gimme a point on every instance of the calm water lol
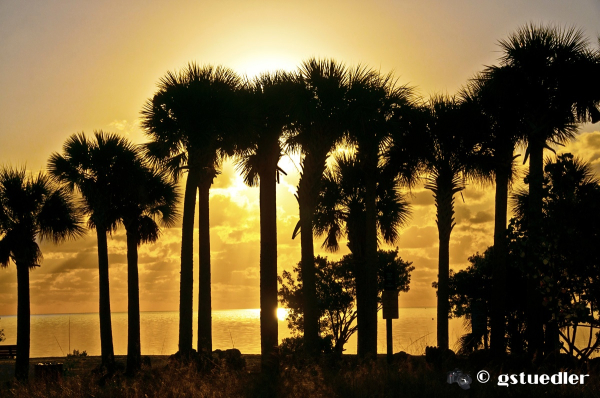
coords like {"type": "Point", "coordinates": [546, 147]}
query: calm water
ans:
{"type": "Point", "coordinates": [413, 331]}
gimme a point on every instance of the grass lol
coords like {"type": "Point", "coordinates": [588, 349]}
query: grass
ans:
{"type": "Point", "coordinates": [409, 376]}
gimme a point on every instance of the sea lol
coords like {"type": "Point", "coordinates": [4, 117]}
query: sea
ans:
{"type": "Point", "coordinates": [56, 335]}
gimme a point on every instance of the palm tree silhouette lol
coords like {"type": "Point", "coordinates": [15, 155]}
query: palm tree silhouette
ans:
{"type": "Point", "coordinates": [553, 68]}
{"type": "Point", "coordinates": [449, 157]}
{"type": "Point", "coordinates": [32, 208]}
{"type": "Point", "coordinates": [373, 100]}
{"type": "Point", "coordinates": [319, 124]}
{"type": "Point", "coordinates": [190, 120]}
{"type": "Point", "coordinates": [502, 128]}
{"type": "Point", "coordinates": [95, 169]}
{"type": "Point", "coordinates": [259, 152]}
{"type": "Point", "coordinates": [341, 211]}
{"type": "Point", "coordinates": [149, 195]}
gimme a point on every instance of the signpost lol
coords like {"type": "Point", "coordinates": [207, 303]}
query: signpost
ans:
{"type": "Point", "coordinates": [389, 301]}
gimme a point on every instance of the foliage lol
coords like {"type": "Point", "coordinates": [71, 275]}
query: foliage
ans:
{"type": "Point", "coordinates": [566, 276]}
{"type": "Point", "coordinates": [336, 293]}
{"type": "Point", "coordinates": [77, 354]}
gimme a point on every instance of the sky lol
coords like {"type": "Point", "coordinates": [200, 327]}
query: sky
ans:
{"type": "Point", "coordinates": [73, 66]}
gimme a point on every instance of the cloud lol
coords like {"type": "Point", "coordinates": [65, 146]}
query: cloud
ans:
{"type": "Point", "coordinates": [422, 197]}
{"type": "Point", "coordinates": [418, 237]}
{"type": "Point", "coordinates": [587, 147]}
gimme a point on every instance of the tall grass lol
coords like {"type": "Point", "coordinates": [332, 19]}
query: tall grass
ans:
{"type": "Point", "coordinates": [409, 376]}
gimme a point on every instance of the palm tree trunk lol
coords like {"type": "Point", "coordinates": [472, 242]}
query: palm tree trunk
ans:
{"type": "Point", "coordinates": [269, 338]}
{"type": "Point", "coordinates": [309, 287]}
{"type": "Point", "coordinates": [535, 320]}
{"type": "Point", "coordinates": [498, 304]}
{"type": "Point", "coordinates": [204, 294]}
{"type": "Point", "coordinates": [134, 352]}
{"type": "Point", "coordinates": [186, 282]}
{"type": "Point", "coordinates": [106, 341]}
{"type": "Point", "coordinates": [306, 201]}
{"type": "Point", "coordinates": [445, 219]}
{"type": "Point", "coordinates": [368, 324]}
{"type": "Point", "coordinates": [23, 323]}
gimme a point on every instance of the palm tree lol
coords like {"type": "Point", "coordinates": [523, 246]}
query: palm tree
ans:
{"type": "Point", "coordinates": [341, 210]}
{"type": "Point", "coordinates": [502, 126]}
{"type": "Point", "coordinates": [260, 150]}
{"type": "Point", "coordinates": [553, 68]}
{"type": "Point", "coordinates": [190, 120]}
{"type": "Point", "coordinates": [32, 209]}
{"type": "Point", "coordinates": [149, 194]}
{"type": "Point", "coordinates": [319, 124]}
{"type": "Point", "coordinates": [373, 100]}
{"type": "Point", "coordinates": [449, 156]}
{"type": "Point", "coordinates": [95, 168]}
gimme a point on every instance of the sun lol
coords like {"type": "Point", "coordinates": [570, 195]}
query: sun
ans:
{"type": "Point", "coordinates": [255, 64]}
{"type": "Point", "coordinates": [282, 313]}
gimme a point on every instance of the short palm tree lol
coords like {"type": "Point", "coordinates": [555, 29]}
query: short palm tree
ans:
{"type": "Point", "coordinates": [553, 69]}
{"type": "Point", "coordinates": [32, 209]}
{"type": "Point", "coordinates": [259, 152]}
{"type": "Point", "coordinates": [94, 168]}
{"type": "Point", "coordinates": [191, 120]}
{"type": "Point", "coordinates": [341, 208]}
{"type": "Point", "coordinates": [149, 195]}
{"type": "Point", "coordinates": [319, 121]}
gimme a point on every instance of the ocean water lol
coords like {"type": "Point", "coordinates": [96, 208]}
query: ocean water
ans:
{"type": "Point", "coordinates": [57, 335]}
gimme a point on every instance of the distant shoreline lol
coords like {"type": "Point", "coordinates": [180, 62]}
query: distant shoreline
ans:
{"type": "Point", "coordinates": [125, 312]}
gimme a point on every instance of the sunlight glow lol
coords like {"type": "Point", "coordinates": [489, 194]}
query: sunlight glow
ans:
{"type": "Point", "coordinates": [282, 313]}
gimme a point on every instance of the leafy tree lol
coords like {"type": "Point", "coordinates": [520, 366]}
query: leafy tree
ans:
{"type": "Point", "coordinates": [95, 168]}
{"type": "Point", "coordinates": [32, 208]}
{"type": "Point", "coordinates": [471, 297]}
{"type": "Point", "coordinates": [566, 275]}
{"type": "Point", "coordinates": [336, 293]}
{"type": "Point", "coordinates": [191, 120]}
{"type": "Point", "coordinates": [565, 278]}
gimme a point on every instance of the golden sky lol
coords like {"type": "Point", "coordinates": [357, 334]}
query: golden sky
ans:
{"type": "Point", "coordinates": [71, 66]}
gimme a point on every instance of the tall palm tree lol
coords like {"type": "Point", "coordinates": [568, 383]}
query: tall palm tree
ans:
{"type": "Point", "coordinates": [259, 152]}
{"type": "Point", "coordinates": [502, 128]}
{"type": "Point", "coordinates": [149, 195]}
{"type": "Point", "coordinates": [95, 168]}
{"type": "Point", "coordinates": [553, 68]}
{"type": "Point", "coordinates": [32, 208]}
{"type": "Point", "coordinates": [319, 124]}
{"type": "Point", "coordinates": [373, 99]}
{"type": "Point", "coordinates": [190, 120]}
{"type": "Point", "coordinates": [449, 157]}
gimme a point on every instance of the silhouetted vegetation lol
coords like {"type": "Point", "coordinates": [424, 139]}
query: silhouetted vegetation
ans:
{"type": "Point", "coordinates": [336, 294]}
{"type": "Point", "coordinates": [33, 208]}
{"type": "Point", "coordinates": [363, 142]}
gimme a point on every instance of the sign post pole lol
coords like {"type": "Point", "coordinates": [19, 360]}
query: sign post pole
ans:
{"type": "Point", "coordinates": [390, 343]}
{"type": "Point", "coordinates": [389, 299]}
